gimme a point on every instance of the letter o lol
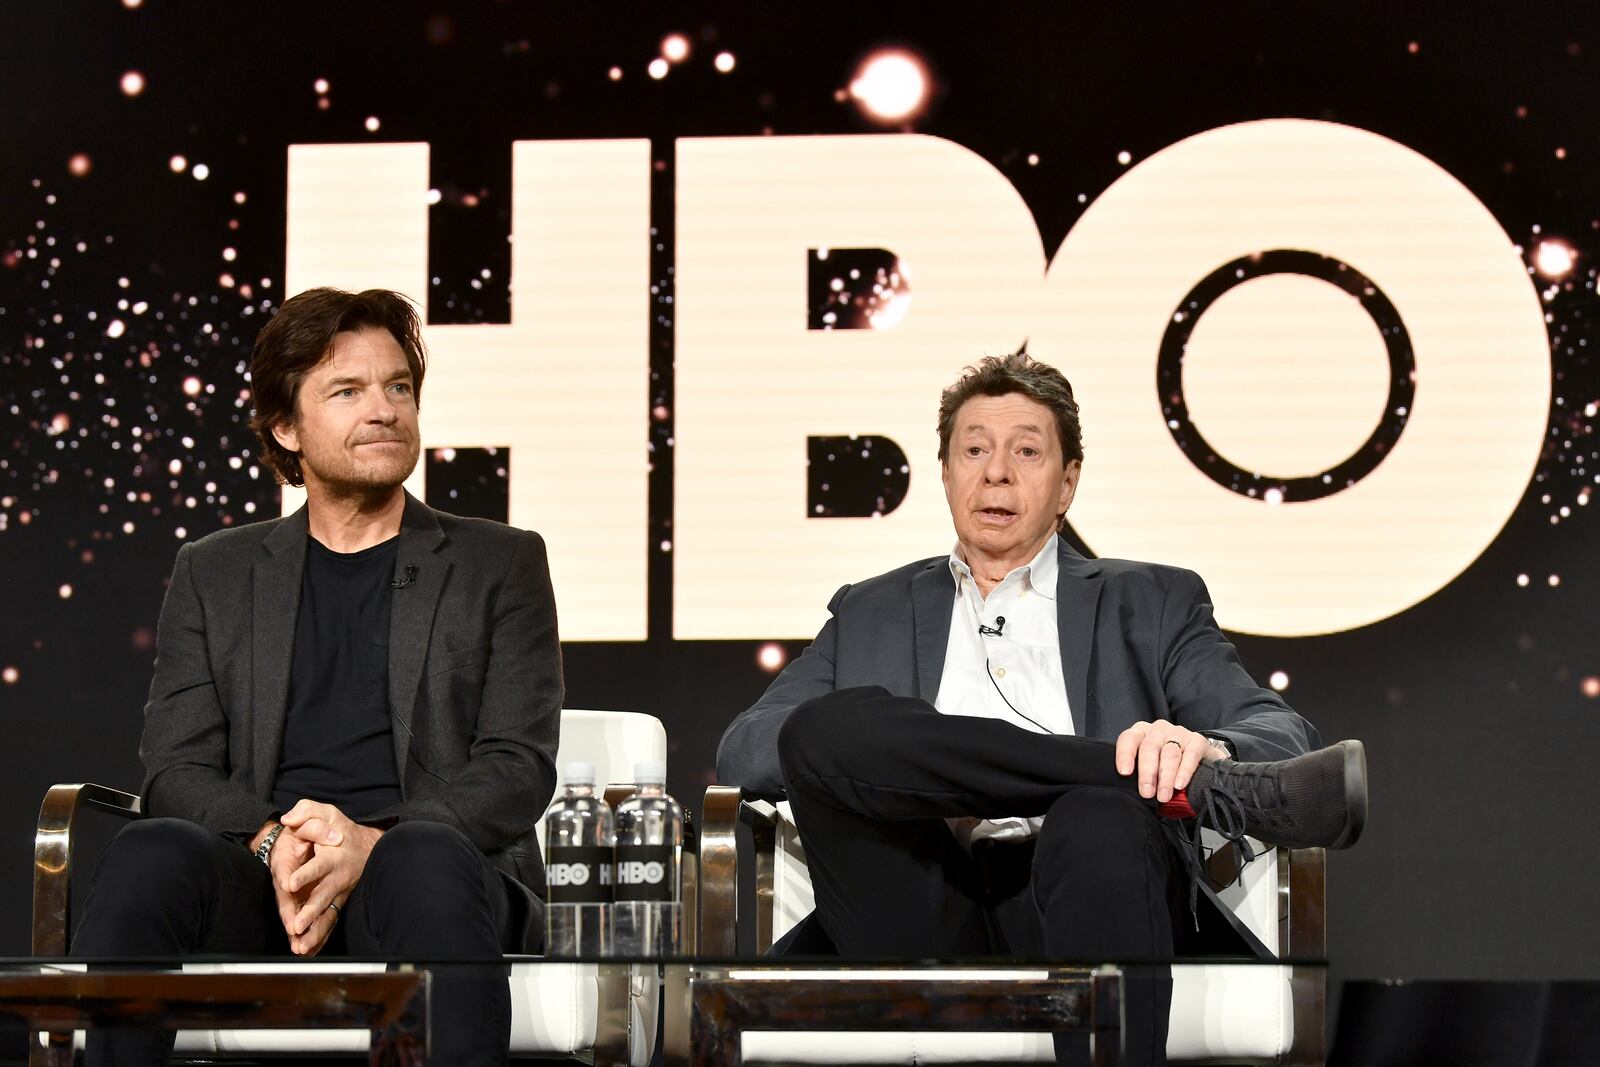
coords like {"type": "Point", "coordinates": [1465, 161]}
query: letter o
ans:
{"type": "Point", "coordinates": [1482, 391]}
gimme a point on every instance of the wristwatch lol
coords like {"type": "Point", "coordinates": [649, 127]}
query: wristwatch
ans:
{"type": "Point", "coordinates": [1224, 749]}
{"type": "Point", "coordinates": [264, 853]}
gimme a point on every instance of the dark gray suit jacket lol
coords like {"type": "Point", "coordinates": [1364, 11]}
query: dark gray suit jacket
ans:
{"type": "Point", "coordinates": [1138, 642]}
{"type": "Point", "coordinates": [475, 685]}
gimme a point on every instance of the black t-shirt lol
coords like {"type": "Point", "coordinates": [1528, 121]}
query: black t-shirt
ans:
{"type": "Point", "coordinates": [338, 744]}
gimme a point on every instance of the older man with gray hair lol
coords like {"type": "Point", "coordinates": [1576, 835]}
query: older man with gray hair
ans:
{"type": "Point", "coordinates": [1004, 750]}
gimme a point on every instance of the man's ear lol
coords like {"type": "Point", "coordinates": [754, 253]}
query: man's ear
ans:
{"type": "Point", "coordinates": [1069, 486]}
{"type": "Point", "coordinates": [285, 434]}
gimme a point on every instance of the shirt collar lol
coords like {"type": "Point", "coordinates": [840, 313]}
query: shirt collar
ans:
{"type": "Point", "coordinates": [1040, 572]}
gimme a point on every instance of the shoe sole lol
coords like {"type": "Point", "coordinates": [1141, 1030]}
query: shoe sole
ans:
{"type": "Point", "coordinates": [1355, 792]}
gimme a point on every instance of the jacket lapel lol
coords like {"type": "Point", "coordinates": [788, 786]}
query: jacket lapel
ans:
{"type": "Point", "coordinates": [275, 602]}
{"type": "Point", "coordinates": [422, 571]}
{"type": "Point", "coordinates": [1078, 584]}
{"type": "Point", "coordinates": [931, 594]}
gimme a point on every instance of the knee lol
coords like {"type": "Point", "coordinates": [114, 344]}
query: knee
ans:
{"type": "Point", "coordinates": [423, 861]}
{"type": "Point", "coordinates": [820, 730]}
{"type": "Point", "coordinates": [154, 867]}
{"type": "Point", "coordinates": [153, 859]}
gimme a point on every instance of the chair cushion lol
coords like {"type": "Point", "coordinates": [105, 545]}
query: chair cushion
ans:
{"type": "Point", "coordinates": [1240, 1012]}
{"type": "Point", "coordinates": [554, 1009]}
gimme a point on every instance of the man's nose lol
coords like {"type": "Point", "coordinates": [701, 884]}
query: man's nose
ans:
{"type": "Point", "coordinates": [998, 470]}
{"type": "Point", "coordinates": [382, 410]}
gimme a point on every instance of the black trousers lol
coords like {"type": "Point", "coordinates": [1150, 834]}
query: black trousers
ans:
{"type": "Point", "coordinates": [167, 888]}
{"type": "Point", "coordinates": [872, 777]}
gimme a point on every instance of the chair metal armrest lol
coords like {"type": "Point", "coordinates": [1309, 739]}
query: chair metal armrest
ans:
{"type": "Point", "coordinates": [52, 857]}
{"type": "Point", "coordinates": [718, 920]}
{"type": "Point", "coordinates": [1302, 934]}
{"type": "Point", "coordinates": [725, 807]}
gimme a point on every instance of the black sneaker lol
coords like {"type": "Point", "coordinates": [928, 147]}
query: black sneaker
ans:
{"type": "Point", "coordinates": [1318, 800]}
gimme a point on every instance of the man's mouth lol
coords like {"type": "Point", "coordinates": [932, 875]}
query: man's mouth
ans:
{"type": "Point", "coordinates": [997, 513]}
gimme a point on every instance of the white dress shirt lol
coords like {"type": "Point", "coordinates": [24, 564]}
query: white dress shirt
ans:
{"type": "Point", "coordinates": [1014, 675]}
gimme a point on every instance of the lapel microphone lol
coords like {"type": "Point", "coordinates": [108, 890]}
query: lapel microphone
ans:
{"type": "Point", "coordinates": [409, 577]}
{"type": "Point", "coordinates": [993, 631]}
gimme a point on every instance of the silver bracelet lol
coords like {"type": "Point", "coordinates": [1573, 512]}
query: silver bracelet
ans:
{"type": "Point", "coordinates": [264, 853]}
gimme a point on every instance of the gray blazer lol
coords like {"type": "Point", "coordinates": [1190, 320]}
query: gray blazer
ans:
{"type": "Point", "coordinates": [1138, 642]}
{"type": "Point", "coordinates": [475, 685]}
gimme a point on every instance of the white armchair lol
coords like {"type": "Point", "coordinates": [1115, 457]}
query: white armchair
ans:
{"type": "Point", "coordinates": [1220, 1013]}
{"type": "Point", "coordinates": [599, 1013]}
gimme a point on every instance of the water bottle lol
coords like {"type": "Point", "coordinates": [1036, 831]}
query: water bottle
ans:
{"type": "Point", "coordinates": [578, 869]}
{"type": "Point", "coordinates": [647, 918]}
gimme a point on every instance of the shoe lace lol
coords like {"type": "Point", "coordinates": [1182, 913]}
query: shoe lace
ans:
{"type": "Point", "coordinates": [1223, 812]}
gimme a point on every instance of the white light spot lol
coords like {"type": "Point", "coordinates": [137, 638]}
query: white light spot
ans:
{"type": "Point", "coordinates": [675, 48]}
{"type": "Point", "coordinates": [615, 74]}
{"type": "Point", "coordinates": [321, 86]}
{"type": "Point", "coordinates": [890, 314]}
{"type": "Point", "coordinates": [657, 68]}
{"type": "Point", "coordinates": [770, 657]}
{"type": "Point", "coordinates": [132, 83]}
{"type": "Point", "coordinates": [115, 329]}
{"type": "Point", "coordinates": [724, 62]}
{"type": "Point", "coordinates": [890, 86]}
{"type": "Point", "coordinates": [1554, 259]}
{"type": "Point", "coordinates": [1279, 680]}
{"type": "Point", "coordinates": [372, 124]}
{"type": "Point", "coordinates": [178, 164]}
{"type": "Point", "coordinates": [10, 675]}
{"type": "Point", "coordinates": [1554, 580]}
{"type": "Point", "coordinates": [65, 592]}
{"type": "Point", "coordinates": [175, 467]}
{"type": "Point", "coordinates": [1522, 581]}
{"type": "Point", "coordinates": [1274, 495]}
{"type": "Point", "coordinates": [1124, 158]}
{"type": "Point", "coordinates": [192, 386]}
{"type": "Point", "coordinates": [434, 196]}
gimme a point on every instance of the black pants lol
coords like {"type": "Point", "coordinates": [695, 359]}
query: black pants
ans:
{"type": "Point", "coordinates": [872, 777]}
{"type": "Point", "coordinates": [167, 888]}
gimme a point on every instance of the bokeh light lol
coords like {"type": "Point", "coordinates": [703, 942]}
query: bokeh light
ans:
{"type": "Point", "coordinates": [891, 86]}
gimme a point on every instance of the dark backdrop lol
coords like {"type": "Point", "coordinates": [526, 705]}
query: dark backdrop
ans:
{"type": "Point", "coordinates": [1482, 736]}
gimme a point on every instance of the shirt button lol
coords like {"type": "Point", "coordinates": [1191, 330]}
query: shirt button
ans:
{"type": "Point", "coordinates": [1000, 672]}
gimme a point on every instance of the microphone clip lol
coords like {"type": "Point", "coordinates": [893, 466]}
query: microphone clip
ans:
{"type": "Point", "coordinates": [407, 577]}
{"type": "Point", "coordinates": [997, 630]}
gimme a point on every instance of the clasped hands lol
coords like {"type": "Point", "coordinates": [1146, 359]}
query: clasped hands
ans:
{"type": "Point", "coordinates": [316, 862]}
{"type": "Point", "coordinates": [1165, 756]}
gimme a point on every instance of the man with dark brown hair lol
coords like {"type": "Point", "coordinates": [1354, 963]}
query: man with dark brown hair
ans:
{"type": "Point", "coordinates": [352, 727]}
{"type": "Point", "coordinates": [1003, 750]}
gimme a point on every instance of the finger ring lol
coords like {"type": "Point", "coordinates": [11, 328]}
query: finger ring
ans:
{"type": "Point", "coordinates": [1169, 741]}
{"type": "Point", "coordinates": [337, 911]}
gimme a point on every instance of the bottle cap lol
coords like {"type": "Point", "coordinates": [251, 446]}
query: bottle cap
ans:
{"type": "Point", "coordinates": [650, 772]}
{"type": "Point", "coordinates": [579, 773]}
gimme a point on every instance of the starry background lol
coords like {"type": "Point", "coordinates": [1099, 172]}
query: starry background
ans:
{"type": "Point", "coordinates": [142, 176]}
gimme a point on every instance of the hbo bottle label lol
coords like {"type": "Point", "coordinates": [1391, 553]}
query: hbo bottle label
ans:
{"type": "Point", "coordinates": [646, 872]}
{"type": "Point", "coordinates": [578, 874]}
